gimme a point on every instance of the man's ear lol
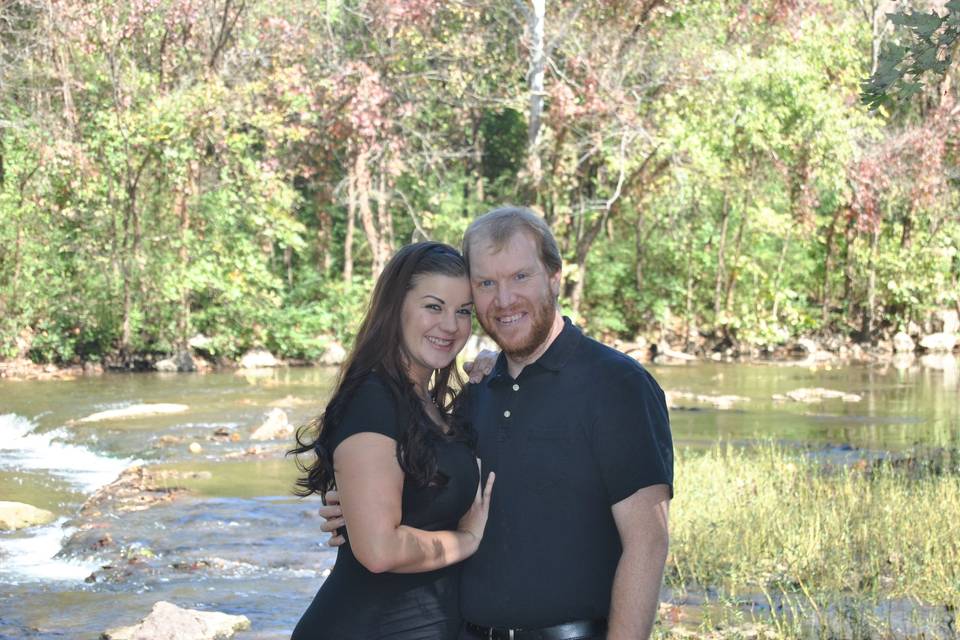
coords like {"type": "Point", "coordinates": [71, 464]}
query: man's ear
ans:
{"type": "Point", "coordinates": [555, 283]}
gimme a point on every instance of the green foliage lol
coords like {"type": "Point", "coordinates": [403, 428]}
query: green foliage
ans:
{"type": "Point", "coordinates": [931, 43]}
{"type": "Point", "coordinates": [709, 172]}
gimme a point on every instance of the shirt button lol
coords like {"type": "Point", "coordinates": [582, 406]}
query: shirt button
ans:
{"type": "Point", "coordinates": [506, 414]}
{"type": "Point", "coordinates": [516, 387]}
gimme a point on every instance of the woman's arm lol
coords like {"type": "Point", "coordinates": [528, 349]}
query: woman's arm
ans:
{"type": "Point", "coordinates": [370, 487]}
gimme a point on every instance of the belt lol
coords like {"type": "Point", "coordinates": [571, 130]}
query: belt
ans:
{"type": "Point", "coordinates": [566, 631]}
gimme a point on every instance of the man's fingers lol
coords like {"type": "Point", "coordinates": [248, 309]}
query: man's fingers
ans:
{"type": "Point", "coordinates": [468, 367]}
{"type": "Point", "coordinates": [329, 526]}
{"type": "Point", "coordinates": [330, 511]}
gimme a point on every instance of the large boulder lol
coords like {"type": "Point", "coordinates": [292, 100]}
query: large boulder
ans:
{"type": "Point", "coordinates": [275, 426]}
{"type": "Point", "coordinates": [902, 343]}
{"type": "Point", "coordinates": [333, 355]}
{"type": "Point", "coordinates": [17, 515]}
{"type": "Point", "coordinates": [949, 320]}
{"type": "Point", "coordinates": [939, 342]}
{"type": "Point", "coordinates": [182, 361]}
{"type": "Point", "coordinates": [169, 622]}
{"type": "Point", "coordinates": [258, 359]}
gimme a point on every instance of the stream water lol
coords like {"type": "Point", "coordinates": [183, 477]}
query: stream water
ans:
{"type": "Point", "coordinates": [242, 544]}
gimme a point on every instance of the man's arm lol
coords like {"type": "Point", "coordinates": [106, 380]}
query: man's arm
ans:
{"type": "Point", "coordinates": [642, 523]}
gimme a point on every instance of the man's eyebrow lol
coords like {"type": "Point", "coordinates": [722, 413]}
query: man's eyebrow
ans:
{"type": "Point", "coordinates": [430, 295]}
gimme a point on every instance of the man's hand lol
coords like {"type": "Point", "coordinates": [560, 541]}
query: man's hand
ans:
{"type": "Point", "coordinates": [479, 368]}
{"type": "Point", "coordinates": [332, 516]}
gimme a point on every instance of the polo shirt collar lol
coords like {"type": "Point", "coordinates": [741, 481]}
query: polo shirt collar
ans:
{"type": "Point", "coordinates": [552, 359]}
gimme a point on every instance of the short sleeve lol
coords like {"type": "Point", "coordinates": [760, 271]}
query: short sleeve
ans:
{"type": "Point", "coordinates": [371, 409]}
{"type": "Point", "coordinates": [632, 443]}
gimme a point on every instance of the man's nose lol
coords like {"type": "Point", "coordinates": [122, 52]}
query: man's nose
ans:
{"type": "Point", "coordinates": [504, 296]}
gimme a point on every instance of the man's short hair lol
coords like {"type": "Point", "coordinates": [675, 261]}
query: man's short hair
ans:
{"type": "Point", "coordinates": [499, 225]}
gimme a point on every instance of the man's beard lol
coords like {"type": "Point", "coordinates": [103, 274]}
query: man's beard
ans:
{"type": "Point", "coordinates": [541, 322]}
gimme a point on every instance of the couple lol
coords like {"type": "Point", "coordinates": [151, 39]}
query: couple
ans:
{"type": "Point", "coordinates": [572, 541]}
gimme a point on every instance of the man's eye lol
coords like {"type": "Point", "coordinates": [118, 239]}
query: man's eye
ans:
{"type": "Point", "coordinates": [486, 283]}
{"type": "Point", "coordinates": [521, 276]}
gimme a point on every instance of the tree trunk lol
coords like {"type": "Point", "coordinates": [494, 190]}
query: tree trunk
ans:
{"type": "Point", "coordinates": [827, 267]}
{"type": "Point", "coordinates": [641, 249]}
{"type": "Point", "coordinates": [732, 279]}
{"type": "Point", "coordinates": [351, 224]}
{"type": "Point", "coordinates": [779, 274]}
{"type": "Point", "coordinates": [183, 205]}
{"type": "Point", "coordinates": [367, 221]}
{"type": "Point", "coordinates": [688, 306]}
{"type": "Point", "coordinates": [721, 251]}
{"type": "Point", "coordinates": [869, 319]}
{"type": "Point", "coordinates": [850, 236]}
{"type": "Point", "coordinates": [536, 15]}
{"type": "Point", "coordinates": [384, 217]}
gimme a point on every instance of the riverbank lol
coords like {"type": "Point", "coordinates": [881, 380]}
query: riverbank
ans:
{"type": "Point", "coordinates": [901, 351]}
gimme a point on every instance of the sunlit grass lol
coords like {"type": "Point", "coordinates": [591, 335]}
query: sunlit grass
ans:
{"type": "Point", "coordinates": [820, 545]}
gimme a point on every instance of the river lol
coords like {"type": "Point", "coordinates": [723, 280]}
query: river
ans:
{"type": "Point", "coordinates": [240, 543]}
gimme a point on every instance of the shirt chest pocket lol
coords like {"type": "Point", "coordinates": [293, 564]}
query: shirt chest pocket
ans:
{"type": "Point", "coordinates": [549, 455]}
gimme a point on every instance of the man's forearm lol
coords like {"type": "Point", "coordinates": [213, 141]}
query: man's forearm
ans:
{"type": "Point", "coordinates": [636, 590]}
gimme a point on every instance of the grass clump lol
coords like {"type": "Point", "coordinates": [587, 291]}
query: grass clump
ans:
{"type": "Point", "coordinates": [816, 545]}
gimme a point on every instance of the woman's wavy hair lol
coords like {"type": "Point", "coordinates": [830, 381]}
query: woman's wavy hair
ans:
{"type": "Point", "coordinates": [379, 349]}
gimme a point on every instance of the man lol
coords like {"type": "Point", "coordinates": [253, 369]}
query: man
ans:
{"type": "Point", "coordinates": [579, 438]}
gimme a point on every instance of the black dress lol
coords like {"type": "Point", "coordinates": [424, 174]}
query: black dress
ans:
{"type": "Point", "coordinates": [355, 604]}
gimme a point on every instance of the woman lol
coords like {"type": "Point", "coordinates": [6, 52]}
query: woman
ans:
{"type": "Point", "coordinates": [404, 470]}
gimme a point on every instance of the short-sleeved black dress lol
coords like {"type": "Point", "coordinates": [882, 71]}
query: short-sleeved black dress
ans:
{"type": "Point", "coordinates": [355, 604]}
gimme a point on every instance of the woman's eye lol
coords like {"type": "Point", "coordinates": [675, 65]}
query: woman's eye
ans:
{"type": "Point", "coordinates": [465, 312]}
{"type": "Point", "coordinates": [433, 307]}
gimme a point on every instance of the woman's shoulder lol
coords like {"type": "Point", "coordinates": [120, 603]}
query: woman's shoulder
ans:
{"type": "Point", "coordinates": [371, 407]}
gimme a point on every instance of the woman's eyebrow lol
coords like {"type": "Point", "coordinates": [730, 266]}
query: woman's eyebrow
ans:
{"type": "Point", "coordinates": [430, 295]}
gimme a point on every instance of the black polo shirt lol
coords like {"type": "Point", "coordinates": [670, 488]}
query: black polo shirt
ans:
{"type": "Point", "coordinates": [579, 430]}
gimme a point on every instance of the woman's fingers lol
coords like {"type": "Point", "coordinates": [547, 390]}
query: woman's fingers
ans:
{"type": "Point", "coordinates": [335, 541]}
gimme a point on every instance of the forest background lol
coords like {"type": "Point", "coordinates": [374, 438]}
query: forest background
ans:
{"type": "Point", "coordinates": [242, 169]}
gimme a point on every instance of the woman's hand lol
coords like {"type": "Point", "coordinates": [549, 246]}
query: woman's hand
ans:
{"type": "Point", "coordinates": [474, 521]}
{"type": "Point", "coordinates": [480, 367]}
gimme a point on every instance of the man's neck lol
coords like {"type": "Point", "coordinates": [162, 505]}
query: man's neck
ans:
{"type": "Point", "coordinates": [514, 367]}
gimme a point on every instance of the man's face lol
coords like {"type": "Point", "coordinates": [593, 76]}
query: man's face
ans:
{"type": "Point", "coordinates": [513, 294]}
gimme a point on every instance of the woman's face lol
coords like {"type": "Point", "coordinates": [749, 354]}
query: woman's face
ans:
{"type": "Point", "coordinates": [435, 322]}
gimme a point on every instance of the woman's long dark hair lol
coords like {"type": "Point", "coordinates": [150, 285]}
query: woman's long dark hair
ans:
{"type": "Point", "coordinates": [379, 348]}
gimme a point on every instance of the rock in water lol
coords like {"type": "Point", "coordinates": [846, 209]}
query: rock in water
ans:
{"type": "Point", "coordinates": [276, 426]}
{"type": "Point", "coordinates": [136, 411]}
{"type": "Point", "coordinates": [902, 343]}
{"type": "Point", "coordinates": [939, 342]}
{"type": "Point", "coordinates": [17, 515]}
{"type": "Point", "coordinates": [258, 359]}
{"type": "Point", "coordinates": [169, 622]}
{"type": "Point", "coordinates": [333, 355]}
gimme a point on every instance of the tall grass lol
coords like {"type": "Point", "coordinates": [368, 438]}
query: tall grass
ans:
{"type": "Point", "coordinates": [820, 544]}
